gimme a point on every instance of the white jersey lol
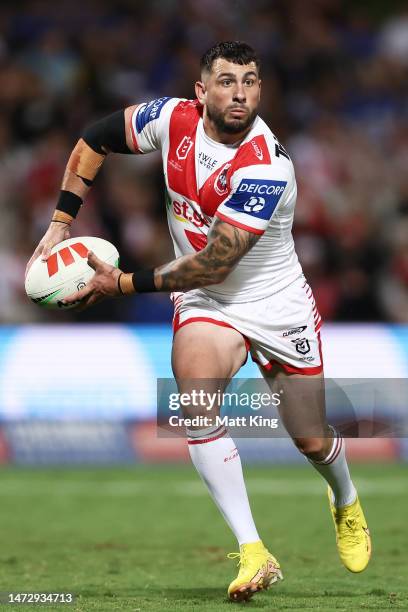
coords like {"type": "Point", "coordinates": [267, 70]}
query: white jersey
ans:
{"type": "Point", "coordinates": [250, 185]}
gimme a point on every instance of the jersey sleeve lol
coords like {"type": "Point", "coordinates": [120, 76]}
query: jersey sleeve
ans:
{"type": "Point", "coordinates": [256, 193]}
{"type": "Point", "coordinates": [149, 124]}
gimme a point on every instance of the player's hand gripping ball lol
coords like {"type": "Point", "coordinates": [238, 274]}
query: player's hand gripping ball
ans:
{"type": "Point", "coordinates": [66, 271]}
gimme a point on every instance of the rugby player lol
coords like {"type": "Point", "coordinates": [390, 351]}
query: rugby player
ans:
{"type": "Point", "coordinates": [236, 281]}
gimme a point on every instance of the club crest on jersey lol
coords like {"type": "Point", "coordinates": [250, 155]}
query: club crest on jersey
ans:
{"type": "Point", "coordinates": [184, 147]}
{"type": "Point", "coordinates": [221, 183]}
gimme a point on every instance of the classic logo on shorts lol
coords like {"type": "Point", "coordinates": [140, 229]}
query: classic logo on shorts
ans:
{"type": "Point", "coordinates": [184, 147]}
{"type": "Point", "coordinates": [221, 183]}
{"type": "Point", "coordinates": [302, 345]}
{"type": "Point", "coordinates": [257, 197]}
{"type": "Point", "coordinates": [294, 330]}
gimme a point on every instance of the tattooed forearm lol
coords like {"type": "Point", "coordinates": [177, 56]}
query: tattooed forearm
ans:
{"type": "Point", "coordinates": [226, 245]}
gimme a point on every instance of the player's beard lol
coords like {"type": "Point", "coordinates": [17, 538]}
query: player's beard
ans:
{"type": "Point", "coordinates": [234, 126]}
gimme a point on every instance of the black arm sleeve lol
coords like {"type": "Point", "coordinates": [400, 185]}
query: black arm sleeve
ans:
{"type": "Point", "coordinates": [107, 134]}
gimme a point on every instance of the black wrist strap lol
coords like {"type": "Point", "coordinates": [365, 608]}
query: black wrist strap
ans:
{"type": "Point", "coordinates": [69, 203]}
{"type": "Point", "coordinates": [143, 281]}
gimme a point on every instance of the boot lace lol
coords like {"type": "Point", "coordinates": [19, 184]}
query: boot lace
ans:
{"type": "Point", "coordinates": [350, 529]}
{"type": "Point", "coordinates": [241, 556]}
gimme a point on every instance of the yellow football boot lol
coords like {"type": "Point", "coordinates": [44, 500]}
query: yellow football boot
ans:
{"type": "Point", "coordinates": [352, 535]}
{"type": "Point", "coordinates": [258, 570]}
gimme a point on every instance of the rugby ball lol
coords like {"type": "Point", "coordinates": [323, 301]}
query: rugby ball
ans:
{"type": "Point", "coordinates": [66, 270]}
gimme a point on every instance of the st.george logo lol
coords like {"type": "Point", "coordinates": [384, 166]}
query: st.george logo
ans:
{"type": "Point", "coordinates": [184, 147]}
{"type": "Point", "coordinates": [66, 257]}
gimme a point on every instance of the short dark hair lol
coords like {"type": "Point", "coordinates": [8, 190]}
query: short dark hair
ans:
{"type": "Point", "coordinates": [235, 51]}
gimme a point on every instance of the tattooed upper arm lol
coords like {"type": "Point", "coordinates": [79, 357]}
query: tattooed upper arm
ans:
{"type": "Point", "coordinates": [226, 245]}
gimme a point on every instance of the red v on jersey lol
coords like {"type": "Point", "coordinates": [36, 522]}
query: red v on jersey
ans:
{"type": "Point", "coordinates": [181, 168]}
{"type": "Point", "coordinates": [181, 173]}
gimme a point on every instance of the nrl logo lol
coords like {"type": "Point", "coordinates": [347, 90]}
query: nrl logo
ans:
{"type": "Point", "coordinates": [221, 183]}
{"type": "Point", "coordinates": [184, 147]}
{"type": "Point", "coordinates": [302, 345]}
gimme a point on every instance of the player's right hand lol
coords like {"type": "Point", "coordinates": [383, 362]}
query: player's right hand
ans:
{"type": "Point", "coordinates": [56, 233]}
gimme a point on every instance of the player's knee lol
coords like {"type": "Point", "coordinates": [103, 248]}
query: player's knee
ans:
{"type": "Point", "coordinates": [312, 448]}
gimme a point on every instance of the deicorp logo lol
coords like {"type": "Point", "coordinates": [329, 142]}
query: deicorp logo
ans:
{"type": "Point", "coordinates": [260, 187]}
{"type": "Point", "coordinates": [257, 197]}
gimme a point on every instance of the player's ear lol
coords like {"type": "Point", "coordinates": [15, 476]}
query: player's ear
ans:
{"type": "Point", "coordinates": [260, 87]}
{"type": "Point", "coordinates": [200, 92]}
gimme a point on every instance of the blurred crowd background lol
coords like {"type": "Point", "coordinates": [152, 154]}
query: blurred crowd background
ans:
{"type": "Point", "coordinates": [335, 92]}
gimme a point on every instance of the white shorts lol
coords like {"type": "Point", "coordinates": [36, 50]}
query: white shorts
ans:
{"type": "Point", "coordinates": [280, 331]}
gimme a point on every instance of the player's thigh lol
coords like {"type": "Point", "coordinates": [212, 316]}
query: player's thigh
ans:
{"type": "Point", "coordinates": [302, 408]}
{"type": "Point", "coordinates": [205, 357]}
{"type": "Point", "coordinates": [205, 350]}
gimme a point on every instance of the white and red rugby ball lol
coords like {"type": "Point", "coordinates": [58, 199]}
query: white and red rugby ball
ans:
{"type": "Point", "coordinates": [66, 270]}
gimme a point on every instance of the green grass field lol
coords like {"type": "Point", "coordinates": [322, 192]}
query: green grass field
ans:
{"type": "Point", "coordinates": [149, 538]}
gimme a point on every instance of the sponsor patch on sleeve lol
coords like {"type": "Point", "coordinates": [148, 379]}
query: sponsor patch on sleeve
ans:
{"type": "Point", "coordinates": [257, 197]}
{"type": "Point", "coordinates": [148, 112]}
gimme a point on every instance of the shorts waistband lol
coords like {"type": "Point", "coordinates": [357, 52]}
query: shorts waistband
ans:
{"type": "Point", "coordinates": [265, 297]}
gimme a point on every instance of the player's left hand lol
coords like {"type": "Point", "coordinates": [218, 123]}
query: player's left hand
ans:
{"type": "Point", "coordinates": [103, 284]}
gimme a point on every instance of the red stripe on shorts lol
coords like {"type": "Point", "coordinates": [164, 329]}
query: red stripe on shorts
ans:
{"type": "Point", "coordinates": [177, 325]}
{"type": "Point", "coordinates": [294, 369]}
